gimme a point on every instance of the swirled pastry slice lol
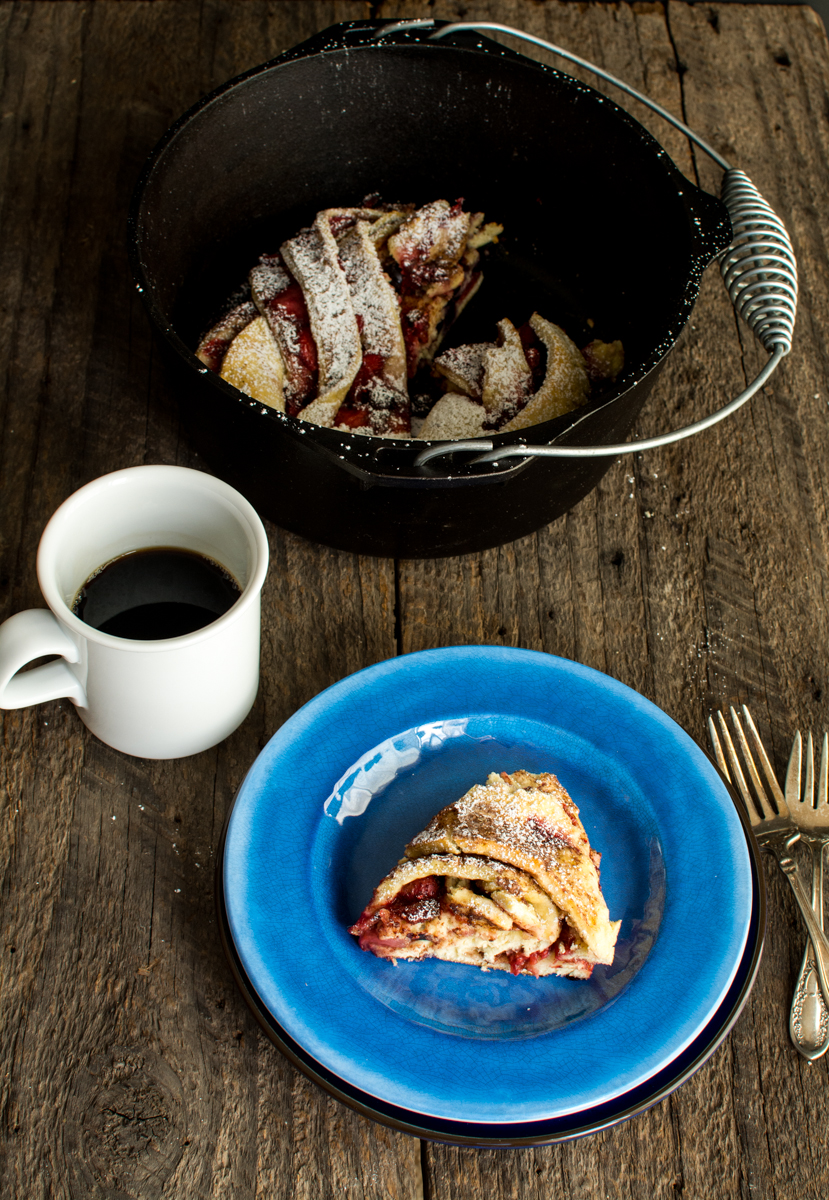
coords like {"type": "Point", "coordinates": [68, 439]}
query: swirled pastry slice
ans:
{"type": "Point", "coordinates": [504, 878]}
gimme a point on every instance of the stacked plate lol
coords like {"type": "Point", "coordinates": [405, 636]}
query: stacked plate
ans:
{"type": "Point", "coordinates": [445, 1051]}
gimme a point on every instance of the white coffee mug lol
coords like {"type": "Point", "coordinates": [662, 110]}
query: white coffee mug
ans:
{"type": "Point", "coordinates": [154, 699]}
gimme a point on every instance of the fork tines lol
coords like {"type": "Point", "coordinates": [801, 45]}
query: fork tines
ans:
{"type": "Point", "coordinates": [823, 780]}
{"type": "Point", "coordinates": [759, 802]}
{"type": "Point", "coordinates": [807, 795]}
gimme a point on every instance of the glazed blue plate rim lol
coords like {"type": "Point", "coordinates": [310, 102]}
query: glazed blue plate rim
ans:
{"type": "Point", "coordinates": [408, 1064]}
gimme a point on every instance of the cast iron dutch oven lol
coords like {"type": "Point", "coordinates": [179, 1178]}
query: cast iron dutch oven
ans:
{"type": "Point", "coordinates": [603, 235]}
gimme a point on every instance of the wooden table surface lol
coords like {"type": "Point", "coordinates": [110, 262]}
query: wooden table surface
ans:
{"type": "Point", "coordinates": [697, 574]}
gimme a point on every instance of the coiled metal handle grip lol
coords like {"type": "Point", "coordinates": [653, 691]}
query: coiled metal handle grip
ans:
{"type": "Point", "coordinates": [759, 268]}
{"type": "Point", "coordinates": [759, 271]}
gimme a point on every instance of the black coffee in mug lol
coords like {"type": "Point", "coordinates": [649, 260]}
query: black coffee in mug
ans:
{"type": "Point", "coordinates": [160, 592]}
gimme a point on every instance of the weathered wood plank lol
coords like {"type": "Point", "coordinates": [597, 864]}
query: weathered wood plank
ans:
{"type": "Point", "coordinates": [163, 1083]}
{"type": "Point", "coordinates": [774, 481]}
{"type": "Point", "coordinates": [631, 582]}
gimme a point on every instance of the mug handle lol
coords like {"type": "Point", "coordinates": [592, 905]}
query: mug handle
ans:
{"type": "Point", "coordinates": [29, 635]}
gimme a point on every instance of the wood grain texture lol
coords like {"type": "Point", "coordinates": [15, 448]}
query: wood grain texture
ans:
{"type": "Point", "coordinates": [696, 574]}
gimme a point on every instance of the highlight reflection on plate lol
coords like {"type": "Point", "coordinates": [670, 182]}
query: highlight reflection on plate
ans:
{"type": "Point", "coordinates": [390, 795]}
{"type": "Point", "coordinates": [328, 806]}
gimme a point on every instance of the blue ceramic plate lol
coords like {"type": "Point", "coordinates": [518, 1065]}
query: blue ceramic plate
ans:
{"type": "Point", "coordinates": [329, 804]}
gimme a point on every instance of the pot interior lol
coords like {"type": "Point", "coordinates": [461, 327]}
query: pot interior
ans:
{"type": "Point", "coordinates": [603, 235]}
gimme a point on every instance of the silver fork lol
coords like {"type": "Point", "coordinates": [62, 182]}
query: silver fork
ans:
{"type": "Point", "coordinates": [809, 1017]}
{"type": "Point", "coordinates": [774, 829]}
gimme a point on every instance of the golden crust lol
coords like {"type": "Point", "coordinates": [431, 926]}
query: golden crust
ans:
{"type": "Point", "coordinates": [253, 364]}
{"type": "Point", "coordinates": [565, 387]}
{"type": "Point", "coordinates": [503, 878]}
{"type": "Point", "coordinates": [529, 822]}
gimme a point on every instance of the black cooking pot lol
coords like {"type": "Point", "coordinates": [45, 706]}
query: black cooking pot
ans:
{"type": "Point", "coordinates": [603, 235]}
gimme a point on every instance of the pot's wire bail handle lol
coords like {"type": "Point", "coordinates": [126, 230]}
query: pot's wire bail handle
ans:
{"type": "Point", "coordinates": [759, 269]}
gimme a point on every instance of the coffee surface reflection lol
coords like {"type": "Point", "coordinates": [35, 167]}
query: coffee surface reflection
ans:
{"type": "Point", "coordinates": [160, 592]}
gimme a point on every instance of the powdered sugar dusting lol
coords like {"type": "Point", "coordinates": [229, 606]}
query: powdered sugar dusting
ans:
{"type": "Point", "coordinates": [375, 303]}
{"type": "Point", "coordinates": [507, 376]}
{"type": "Point", "coordinates": [269, 277]}
{"type": "Point", "coordinates": [387, 409]}
{"type": "Point", "coordinates": [428, 247]}
{"type": "Point", "coordinates": [359, 303]}
{"type": "Point", "coordinates": [464, 367]}
{"type": "Point", "coordinates": [453, 417]}
{"type": "Point", "coordinates": [312, 258]}
{"type": "Point", "coordinates": [253, 364]}
{"type": "Point", "coordinates": [528, 821]}
{"type": "Point", "coordinates": [280, 302]}
{"type": "Point", "coordinates": [503, 808]}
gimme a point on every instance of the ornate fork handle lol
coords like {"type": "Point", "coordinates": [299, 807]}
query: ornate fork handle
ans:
{"type": "Point", "coordinates": [809, 1016]}
{"type": "Point", "coordinates": [820, 943]}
